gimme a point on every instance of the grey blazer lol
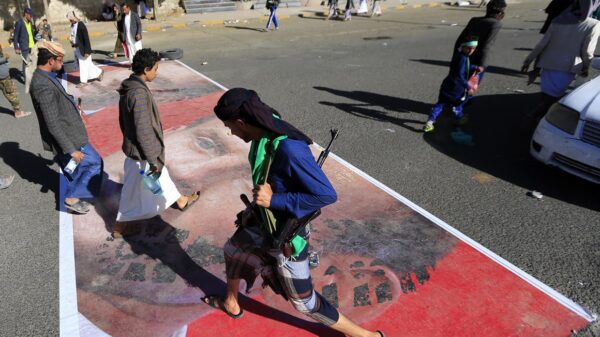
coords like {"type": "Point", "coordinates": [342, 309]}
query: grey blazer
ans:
{"type": "Point", "coordinates": [135, 26]}
{"type": "Point", "coordinates": [61, 126]}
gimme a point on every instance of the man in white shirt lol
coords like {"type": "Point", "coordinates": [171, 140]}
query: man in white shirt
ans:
{"type": "Point", "coordinates": [132, 31]}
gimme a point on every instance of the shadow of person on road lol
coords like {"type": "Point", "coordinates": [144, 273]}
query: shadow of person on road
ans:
{"type": "Point", "coordinates": [4, 110]}
{"type": "Point", "coordinates": [261, 30]}
{"type": "Point", "coordinates": [500, 149]}
{"type": "Point", "coordinates": [490, 69]}
{"type": "Point", "coordinates": [159, 240]}
{"type": "Point", "coordinates": [523, 48]}
{"type": "Point", "coordinates": [368, 108]}
{"type": "Point", "coordinates": [30, 167]}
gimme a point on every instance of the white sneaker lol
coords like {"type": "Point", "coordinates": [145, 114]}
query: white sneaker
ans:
{"type": "Point", "coordinates": [428, 126]}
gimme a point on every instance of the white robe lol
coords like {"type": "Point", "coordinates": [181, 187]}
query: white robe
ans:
{"type": "Point", "coordinates": [362, 7]}
{"type": "Point", "coordinates": [87, 69]}
{"type": "Point", "coordinates": [132, 45]}
{"type": "Point", "coordinates": [137, 202]}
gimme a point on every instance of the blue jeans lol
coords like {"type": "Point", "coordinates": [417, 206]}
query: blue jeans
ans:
{"type": "Point", "coordinates": [439, 107]}
{"type": "Point", "coordinates": [272, 17]}
{"type": "Point", "coordinates": [85, 181]}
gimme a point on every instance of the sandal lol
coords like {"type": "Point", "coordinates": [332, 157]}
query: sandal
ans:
{"type": "Point", "coordinates": [191, 199]}
{"type": "Point", "coordinates": [22, 114]}
{"type": "Point", "coordinates": [78, 207]}
{"type": "Point", "coordinates": [381, 333]}
{"type": "Point", "coordinates": [217, 303]}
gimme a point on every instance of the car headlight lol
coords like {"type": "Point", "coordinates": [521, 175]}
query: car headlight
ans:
{"type": "Point", "coordinates": [563, 117]}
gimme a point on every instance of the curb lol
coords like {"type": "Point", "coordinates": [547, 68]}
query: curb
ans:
{"type": "Point", "coordinates": [224, 22]}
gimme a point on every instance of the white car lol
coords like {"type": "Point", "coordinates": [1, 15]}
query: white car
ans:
{"type": "Point", "coordinates": [568, 137]}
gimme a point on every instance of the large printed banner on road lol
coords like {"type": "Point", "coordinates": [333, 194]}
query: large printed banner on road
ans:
{"type": "Point", "coordinates": [384, 262]}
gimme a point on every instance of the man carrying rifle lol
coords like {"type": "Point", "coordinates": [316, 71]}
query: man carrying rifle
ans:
{"type": "Point", "coordinates": [288, 185]}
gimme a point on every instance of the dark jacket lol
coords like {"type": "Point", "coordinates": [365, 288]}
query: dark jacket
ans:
{"type": "Point", "coordinates": [272, 3]}
{"type": "Point", "coordinates": [486, 29]}
{"type": "Point", "coordinates": [21, 38]}
{"type": "Point", "coordinates": [555, 7]}
{"type": "Point", "coordinates": [83, 39]}
{"type": "Point", "coordinates": [455, 85]}
{"type": "Point", "coordinates": [120, 26]}
{"type": "Point", "coordinates": [135, 26]}
{"type": "Point", "coordinates": [140, 123]}
{"type": "Point", "coordinates": [61, 126]}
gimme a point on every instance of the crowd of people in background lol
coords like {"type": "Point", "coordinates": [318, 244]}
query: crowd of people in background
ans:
{"type": "Point", "coordinates": [564, 52]}
{"type": "Point", "coordinates": [363, 9]}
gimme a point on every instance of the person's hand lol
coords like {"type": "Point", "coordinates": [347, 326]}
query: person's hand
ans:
{"type": "Point", "coordinates": [470, 92]}
{"type": "Point", "coordinates": [78, 156]}
{"type": "Point", "coordinates": [479, 69]}
{"type": "Point", "coordinates": [18, 51]}
{"type": "Point", "coordinates": [6, 56]}
{"type": "Point", "coordinates": [156, 169]}
{"type": "Point", "coordinates": [247, 216]}
{"type": "Point", "coordinates": [138, 37]}
{"type": "Point", "coordinates": [85, 56]}
{"type": "Point", "coordinates": [262, 195]}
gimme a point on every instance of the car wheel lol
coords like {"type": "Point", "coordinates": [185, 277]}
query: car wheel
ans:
{"type": "Point", "coordinates": [171, 54]}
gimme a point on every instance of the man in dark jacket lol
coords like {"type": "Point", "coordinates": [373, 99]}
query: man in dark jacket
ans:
{"type": "Point", "coordinates": [132, 31]}
{"type": "Point", "coordinates": [63, 131]}
{"type": "Point", "coordinates": [144, 146]}
{"type": "Point", "coordinates": [80, 40]}
{"type": "Point", "coordinates": [24, 38]}
{"type": "Point", "coordinates": [486, 29]}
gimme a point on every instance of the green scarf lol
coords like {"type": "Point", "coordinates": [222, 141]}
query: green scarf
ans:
{"type": "Point", "coordinates": [261, 155]}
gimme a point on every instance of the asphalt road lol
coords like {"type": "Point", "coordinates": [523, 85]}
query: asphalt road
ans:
{"type": "Point", "coordinates": [375, 79]}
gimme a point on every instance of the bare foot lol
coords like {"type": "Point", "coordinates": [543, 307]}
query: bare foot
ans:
{"type": "Point", "coordinates": [21, 114]}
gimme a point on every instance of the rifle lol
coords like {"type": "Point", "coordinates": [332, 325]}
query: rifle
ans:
{"type": "Point", "coordinates": [293, 226]}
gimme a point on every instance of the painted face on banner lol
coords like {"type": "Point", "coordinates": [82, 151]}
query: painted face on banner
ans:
{"type": "Point", "coordinates": [370, 256]}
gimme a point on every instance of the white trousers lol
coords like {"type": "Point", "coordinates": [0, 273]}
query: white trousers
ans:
{"type": "Point", "coordinates": [362, 7]}
{"type": "Point", "coordinates": [87, 69]}
{"type": "Point", "coordinates": [137, 202]}
{"type": "Point", "coordinates": [133, 46]}
{"type": "Point", "coordinates": [376, 8]}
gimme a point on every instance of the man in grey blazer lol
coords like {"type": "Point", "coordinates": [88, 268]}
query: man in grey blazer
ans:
{"type": "Point", "coordinates": [132, 31]}
{"type": "Point", "coordinates": [63, 131]}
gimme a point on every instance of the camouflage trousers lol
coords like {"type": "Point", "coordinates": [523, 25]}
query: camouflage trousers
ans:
{"type": "Point", "coordinates": [7, 86]}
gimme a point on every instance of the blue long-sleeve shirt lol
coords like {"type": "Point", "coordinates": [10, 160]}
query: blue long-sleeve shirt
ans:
{"type": "Point", "coordinates": [455, 84]}
{"type": "Point", "coordinates": [298, 183]}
